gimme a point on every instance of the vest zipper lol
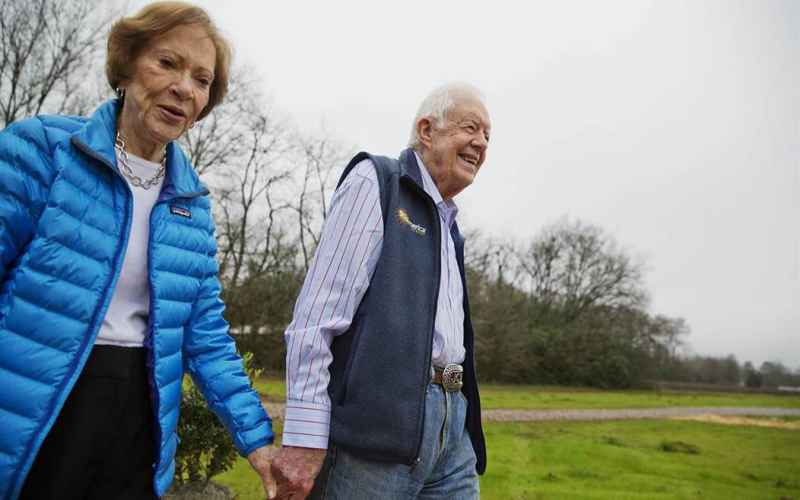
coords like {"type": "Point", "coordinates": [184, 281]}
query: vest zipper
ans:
{"type": "Point", "coordinates": [428, 353]}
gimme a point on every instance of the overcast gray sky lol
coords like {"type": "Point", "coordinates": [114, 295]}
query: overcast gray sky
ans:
{"type": "Point", "coordinates": [674, 125]}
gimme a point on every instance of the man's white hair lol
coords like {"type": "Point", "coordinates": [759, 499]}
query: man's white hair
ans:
{"type": "Point", "coordinates": [436, 105]}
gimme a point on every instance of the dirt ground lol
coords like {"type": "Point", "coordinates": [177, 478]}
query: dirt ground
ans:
{"type": "Point", "coordinates": [773, 423]}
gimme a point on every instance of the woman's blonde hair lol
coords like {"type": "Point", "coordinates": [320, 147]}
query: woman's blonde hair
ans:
{"type": "Point", "coordinates": [130, 35]}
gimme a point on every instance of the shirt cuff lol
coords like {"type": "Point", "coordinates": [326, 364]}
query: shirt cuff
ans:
{"type": "Point", "coordinates": [306, 425]}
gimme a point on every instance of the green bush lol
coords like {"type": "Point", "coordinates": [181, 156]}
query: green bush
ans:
{"type": "Point", "coordinates": [205, 448]}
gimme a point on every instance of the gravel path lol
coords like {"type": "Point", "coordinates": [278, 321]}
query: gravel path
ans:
{"type": "Point", "coordinates": [624, 414]}
{"type": "Point", "coordinates": [276, 411]}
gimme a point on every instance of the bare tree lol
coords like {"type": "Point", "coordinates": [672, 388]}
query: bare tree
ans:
{"type": "Point", "coordinates": [240, 149]}
{"type": "Point", "coordinates": [490, 258]}
{"type": "Point", "coordinates": [269, 182]}
{"type": "Point", "coordinates": [576, 266]}
{"type": "Point", "coordinates": [317, 158]}
{"type": "Point", "coordinates": [669, 333]}
{"type": "Point", "coordinates": [223, 135]}
{"type": "Point", "coordinates": [49, 50]}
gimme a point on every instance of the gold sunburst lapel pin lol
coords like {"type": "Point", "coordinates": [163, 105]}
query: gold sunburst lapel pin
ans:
{"type": "Point", "coordinates": [403, 218]}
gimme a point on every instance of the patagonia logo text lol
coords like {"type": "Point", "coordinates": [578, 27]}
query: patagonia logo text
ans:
{"type": "Point", "coordinates": [183, 212]}
{"type": "Point", "coordinates": [403, 218]}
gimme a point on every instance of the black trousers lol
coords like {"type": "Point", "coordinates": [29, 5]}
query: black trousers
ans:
{"type": "Point", "coordinates": [102, 444]}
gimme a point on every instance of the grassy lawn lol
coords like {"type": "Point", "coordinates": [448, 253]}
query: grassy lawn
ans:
{"type": "Point", "coordinates": [242, 479]}
{"type": "Point", "coordinates": [529, 397]}
{"type": "Point", "coordinates": [624, 460]}
{"type": "Point", "coordinates": [627, 460]}
{"type": "Point", "coordinates": [558, 398]}
{"type": "Point", "coordinates": [274, 389]}
{"type": "Point", "coordinates": [664, 459]}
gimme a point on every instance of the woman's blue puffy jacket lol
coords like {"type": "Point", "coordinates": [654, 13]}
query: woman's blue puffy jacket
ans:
{"type": "Point", "coordinates": [65, 215]}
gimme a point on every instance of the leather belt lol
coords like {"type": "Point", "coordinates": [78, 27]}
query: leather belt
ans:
{"type": "Point", "coordinates": [449, 377]}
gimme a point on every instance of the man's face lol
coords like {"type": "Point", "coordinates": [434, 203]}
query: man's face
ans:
{"type": "Point", "coordinates": [455, 150]}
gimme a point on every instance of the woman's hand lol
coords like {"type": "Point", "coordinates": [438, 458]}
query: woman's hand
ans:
{"type": "Point", "coordinates": [261, 461]}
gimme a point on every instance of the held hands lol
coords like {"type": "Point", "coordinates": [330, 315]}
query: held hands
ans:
{"type": "Point", "coordinates": [295, 470]}
{"type": "Point", "coordinates": [289, 472]}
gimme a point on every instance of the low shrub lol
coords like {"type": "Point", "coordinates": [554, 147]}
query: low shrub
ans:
{"type": "Point", "coordinates": [205, 448]}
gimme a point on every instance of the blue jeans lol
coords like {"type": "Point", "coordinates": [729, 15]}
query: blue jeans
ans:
{"type": "Point", "coordinates": [446, 469]}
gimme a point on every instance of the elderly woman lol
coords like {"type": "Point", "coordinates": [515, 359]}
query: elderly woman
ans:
{"type": "Point", "coordinates": [109, 281]}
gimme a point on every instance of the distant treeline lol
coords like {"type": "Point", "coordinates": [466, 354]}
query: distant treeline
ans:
{"type": "Point", "coordinates": [728, 371]}
{"type": "Point", "coordinates": [567, 308]}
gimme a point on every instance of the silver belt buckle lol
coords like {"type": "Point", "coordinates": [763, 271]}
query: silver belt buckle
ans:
{"type": "Point", "coordinates": [452, 377]}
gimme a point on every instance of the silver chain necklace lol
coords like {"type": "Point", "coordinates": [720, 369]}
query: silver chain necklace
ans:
{"type": "Point", "coordinates": [119, 145]}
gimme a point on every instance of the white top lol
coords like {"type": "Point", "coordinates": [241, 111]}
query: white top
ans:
{"type": "Point", "coordinates": [334, 286]}
{"type": "Point", "coordinates": [126, 320]}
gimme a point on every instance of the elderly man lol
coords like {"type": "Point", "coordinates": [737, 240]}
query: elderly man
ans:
{"type": "Point", "coordinates": [381, 338]}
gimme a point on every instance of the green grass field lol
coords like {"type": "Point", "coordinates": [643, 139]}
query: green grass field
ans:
{"type": "Point", "coordinates": [528, 397]}
{"type": "Point", "coordinates": [557, 398]}
{"type": "Point", "coordinates": [627, 460]}
{"type": "Point", "coordinates": [242, 479]}
{"type": "Point", "coordinates": [619, 460]}
{"type": "Point", "coordinates": [624, 460]}
{"type": "Point", "coordinates": [273, 389]}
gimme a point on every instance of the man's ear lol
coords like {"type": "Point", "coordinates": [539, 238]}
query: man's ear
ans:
{"type": "Point", "coordinates": [425, 131]}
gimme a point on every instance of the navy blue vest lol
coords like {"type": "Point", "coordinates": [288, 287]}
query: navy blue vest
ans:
{"type": "Point", "coordinates": [381, 365]}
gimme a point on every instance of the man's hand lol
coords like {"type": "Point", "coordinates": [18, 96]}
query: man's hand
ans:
{"type": "Point", "coordinates": [260, 460]}
{"type": "Point", "coordinates": [295, 469]}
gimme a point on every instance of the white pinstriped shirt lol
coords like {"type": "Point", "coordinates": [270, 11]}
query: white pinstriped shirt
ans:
{"type": "Point", "coordinates": [336, 281]}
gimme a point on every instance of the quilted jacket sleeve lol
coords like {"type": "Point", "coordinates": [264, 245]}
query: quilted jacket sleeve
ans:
{"type": "Point", "coordinates": [25, 175]}
{"type": "Point", "coordinates": [218, 371]}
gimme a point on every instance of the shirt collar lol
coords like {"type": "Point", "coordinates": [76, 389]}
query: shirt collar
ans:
{"type": "Point", "coordinates": [449, 207]}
